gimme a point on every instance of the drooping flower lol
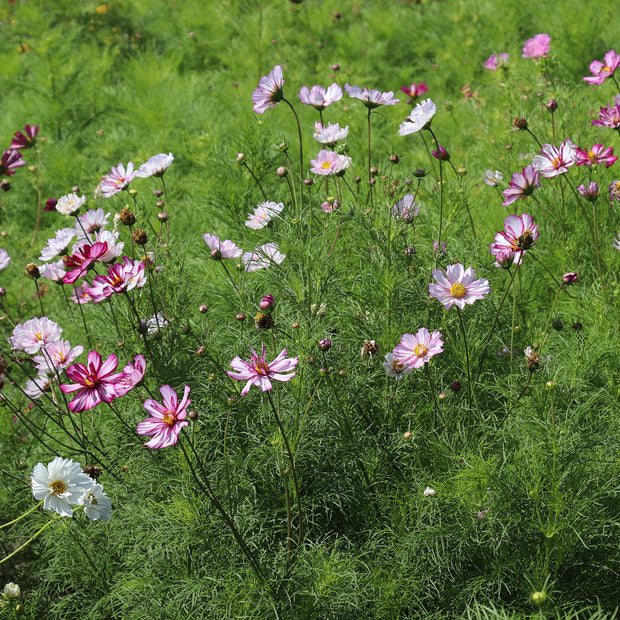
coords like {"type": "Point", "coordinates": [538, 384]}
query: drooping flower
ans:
{"type": "Point", "coordinates": [263, 256]}
{"type": "Point", "coordinates": [269, 91]}
{"type": "Point", "coordinates": [58, 245]}
{"type": "Point", "coordinates": [537, 46]}
{"type": "Point", "coordinates": [521, 184]}
{"type": "Point", "coordinates": [406, 208]}
{"type": "Point", "coordinates": [395, 368]}
{"type": "Point", "coordinates": [441, 153]}
{"type": "Point", "coordinates": [132, 375]}
{"type": "Point", "coordinates": [320, 98]}
{"type": "Point", "coordinates": [70, 204]}
{"type": "Point", "coordinates": [5, 259]}
{"type": "Point", "coordinates": [506, 257]}
{"type": "Point", "coordinates": [94, 382]}
{"type": "Point", "coordinates": [457, 286]}
{"type": "Point", "coordinates": [155, 166]}
{"type": "Point", "coordinates": [597, 155]}
{"type": "Point", "coordinates": [60, 484]}
{"type": "Point", "coordinates": [420, 118]}
{"type": "Point", "coordinates": [492, 177]}
{"type": "Point", "coordinates": [25, 140]}
{"type": "Point", "coordinates": [260, 373]}
{"type": "Point", "coordinates": [331, 134]}
{"type": "Point", "coordinates": [553, 161]}
{"type": "Point", "coordinates": [416, 350]}
{"type": "Point", "coordinates": [372, 98]}
{"type": "Point", "coordinates": [519, 234]}
{"type": "Point", "coordinates": [10, 161]}
{"type": "Point", "coordinates": [118, 180]}
{"type": "Point", "coordinates": [34, 334]}
{"type": "Point", "coordinates": [221, 249]}
{"type": "Point", "coordinates": [167, 419]}
{"type": "Point", "coordinates": [609, 116]}
{"type": "Point", "coordinates": [97, 505]}
{"type": "Point", "coordinates": [330, 162]}
{"type": "Point", "coordinates": [415, 90]}
{"type": "Point", "coordinates": [589, 192]}
{"type": "Point", "coordinates": [602, 70]}
{"type": "Point", "coordinates": [263, 214]}
{"type": "Point", "coordinates": [496, 60]}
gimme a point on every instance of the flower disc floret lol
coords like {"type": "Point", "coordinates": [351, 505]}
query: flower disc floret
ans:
{"type": "Point", "coordinates": [457, 286]}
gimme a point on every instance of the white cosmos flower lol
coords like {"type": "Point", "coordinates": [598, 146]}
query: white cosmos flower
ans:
{"type": "Point", "coordinates": [419, 118]}
{"type": "Point", "coordinates": [69, 204]}
{"type": "Point", "coordinates": [155, 166]}
{"type": "Point", "coordinates": [60, 484]}
{"type": "Point", "coordinates": [97, 504]}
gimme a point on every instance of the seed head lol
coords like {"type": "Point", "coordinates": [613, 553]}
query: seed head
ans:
{"type": "Point", "coordinates": [127, 217]}
{"type": "Point", "coordinates": [139, 236]}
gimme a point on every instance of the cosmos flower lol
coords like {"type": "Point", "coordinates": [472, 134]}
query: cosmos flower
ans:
{"type": "Point", "coordinates": [262, 257]}
{"type": "Point", "coordinates": [263, 214]}
{"type": "Point", "coordinates": [269, 91]}
{"type": "Point", "coordinates": [616, 242]}
{"type": "Point", "coordinates": [25, 140]}
{"type": "Point", "coordinates": [406, 208]}
{"type": "Point", "coordinates": [602, 70]}
{"type": "Point", "coordinates": [56, 355]}
{"type": "Point", "coordinates": [537, 46]}
{"type": "Point", "coordinates": [521, 184]}
{"type": "Point", "coordinates": [260, 373]}
{"type": "Point", "coordinates": [395, 368]}
{"type": "Point", "coordinates": [97, 504]}
{"type": "Point", "coordinates": [331, 134]}
{"type": "Point", "coordinates": [69, 204]}
{"type": "Point", "coordinates": [118, 180]}
{"type": "Point", "coordinates": [34, 334]}
{"type": "Point", "coordinates": [609, 116]}
{"type": "Point", "coordinates": [496, 60]}
{"type": "Point", "coordinates": [553, 161]}
{"type": "Point", "coordinates": [92, 221]}
{"type": "Point", "coordinates": [222, 249]}
{"type": "Point", "coordinates": [416, 350]}
{"type": "Point", "coordinates": [457, 286]}
{"type": "Point", "coordinates": [10, 161]}
{"type": "Point", "coordinates": [121, 277]}
{"type": "Point", "coordinates": [519, 234]}
{"type": "Point", "coordinates": [415, 90]}
{"type": "Point", "coordinates": [492, 177]}
{"type": "Point", "coordinates": [53, 271]}
{"type": "Point", "coordinates": [330, 162]}
{"type": "Point", "coordinates": [589, 192]}
{"type": "Point", "coordinates": [420, 118]}
{"type": "Point", "coordinates": [5, 259]}
{"type": "Point", "coordinates": [167, 419]}
{"type": "Point", "coordinates": [320, 98]}
{"type": "Point", "coordinates": [372, 98]}
{"type": "Point", "coordinates": [58, 245]}
{"type": "Point", "coordinates": [155, 166]}
{"type": "Point", "coordinates": [79, 262]}
{"type": "Point", "coordinates": [132, 375]}
{"type": "Point", "coordinates": [597, 155]}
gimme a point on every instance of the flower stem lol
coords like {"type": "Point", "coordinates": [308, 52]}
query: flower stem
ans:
{"type": "Point", "coordinates": [22, 516]}
{"type": "Point", "coordinates": [8, 557]}
{"type": "Point", "coordinates": [469, 385]}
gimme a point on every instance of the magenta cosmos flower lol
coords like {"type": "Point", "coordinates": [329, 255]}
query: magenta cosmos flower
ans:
{"type": "Point", "coordinates": [330, 162]}
{"type": "Point", "coordinates": [554, 161]}
{"type": "Point", "coordinates": [457, 286]}
{"type": "Point", "coordinates": [416, 350]}
{"type": "Point", "coordinates": [9, 161]}
{"type": "Point", "coordinates": [166, 420]}
{"type": "Point", "coordinates": [221, 249]}
{"type": "Point", "coordinates": [537, 46]}
{"type": "Point", "coordinates": [372, 98]}
{"type": "Point", "coordinates": [518, 235]}
{"type": "Point", "coordinates": [597, 155]}
{"type": "Point", "coordinates": [415, 90]}
{"type": "Point", "coordinates": [496, 60]}
{"type": "Point", "coordinates": [260, 373]}
{"type": "Point", "coordinates": [25, 140]}
{"type": "Point", "coordinates": [132, 375]}
{"type": "Point", "coordinates": [602, 70]}
{"type": "Point", "coordinates": [521, 184]}
{"type": "Point", "coordinates": [94, 383]}
{"type": "Point", "coordinates": [269, 91]}
{"type": "Point", "coordinates": [320, 98]}
{"type": "Point", "coordinates": [609, 116]}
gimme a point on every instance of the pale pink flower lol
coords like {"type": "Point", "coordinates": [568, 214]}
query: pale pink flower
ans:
{"type": "Point", "coordinates": [57, 245]}
{"type": "Point", "coordinates": [155, 166]}
{"type": "Point", "coordinates": [93, 221]}
{"type": "Point", "coordinates": [616, 242]}
{"type": "Point", "coordinates": [81, 295]}
{"type": "Point", "coordinates": [372, 98]}
{"type": "Point", "coordinates": [56, 356]}
{"type": "Point", "coordinates": [518, 235]}
{"type": "Point", "coordinates": [35, 388]}
{"type": "Point", "coordinates": [262, 257]}
{"type": "Point", "coordinates": [5, 259]}
{"type": "Point", "coordinates": [521, 184]}
{"type": "Point", "coordinates": [416, 350]}
{"type": "Point", "coordinates": [263, 214]}
{"type": "Point", "coordinates": [330, 162]}
{"type": "Point", "coordinates": [553, 161]}
{"type": "Point", "coordinates": [496, 60]}
{"type": "Point", "coordinates": [420, 118]}
{"type": "Point", "coordinates": [132, 375]}
{"type": "Point", "coordinates": [492, 177]}
{"type": "Point", "coordinates": [597, 155]}
{"type": "Point", "coordinates": [114, 246]}
{"type": "Point", "coordinates": [415, 90]}
{"type": "Point", "coordinates": [320, 98]}
{"type": "Point", "coordinates": [506, 257]}
{"type": "Point", "coordinates": [260, 373]}
{"type": "Point", "coordinates": [167, 419]}
{"type": "Point", "coordinates": [331, 134]}
{"type": "Point", "coordinates": [53, 271]}
{"type": "Point", "coordinates": [406, 208]}
{"type": "Point", "coordinates": [609, 116]}
{"type": "Point", "coordinates": [602, 70]}
{"type": "Point", "coordinates": [457, 286]}
{"type": "Point", "coordinates": [222, 249]}
{"type": "Point", "coordinates": [34, 334]}
{"type": "Point", "coordinates": [589, 192]}
{"type": "Point", "coordinates": [269, 91]}
{"type": "Point", "coordinates": [117, 180]}
{"type": "Point", "coordinates": [537, 46]}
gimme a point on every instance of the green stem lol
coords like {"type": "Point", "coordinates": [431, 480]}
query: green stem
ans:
{"type": "Point", "coordinates": [24, 515]}
{"type": "Point", "coordinates": [8, 557]}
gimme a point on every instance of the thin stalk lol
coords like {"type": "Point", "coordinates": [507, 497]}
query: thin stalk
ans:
{"type": "Point", "coordinates": [440, 192]}
{"type": "Point", "coordinates": [301, 146]}
{"type": "Point", "coordinates": [469, 385]}
{"type": "Point", "coordinates": [262, 191]}
{"type": "Point", "coordinates": [432, 386]}
{"type": "Point", "coordinates": [8, 557]}
{"type": "Point", "coordinates": [36, 288]}
{"type": "Point", "coordinates": [38, 188]}
{"type": "Point", "coordinates": [546, 332]}
{"type": "Point", "coordinates": [22, 516]}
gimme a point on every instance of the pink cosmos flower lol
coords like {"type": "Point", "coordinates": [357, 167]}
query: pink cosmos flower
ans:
{"type": "Point", "coordinates": [94, 382]}
{"type": "Point", "coordinates": [81, 260]}
{"type": "Point", "coordinates": [114, 246]}
{"type": "Point", "coordinates": [415, 90]}
{"type": "Point", "coordinates": [553, 161]}
{"type": "Point", "coordinates": [602, 70]}
{"type": "Point", "coordinates": [260, 373]}
{"type": "Point", "coordinates": [221, 249]}
{"type": "Point", "coordinates": [166, 420]}
{"type": "Point", "coordinates": [597, 155]}
{"type": "Point", "coordinates": [155, 166]}
{"type": "Point", "coordinates": [117, 180]}
{"type": "Point", "coordinates": [420, 118]}
{"type": "Point", "coordinates": [506, 257]}
{"type": "Point", "coordinates": [519, 235]}
{"type": "Point", "coordinates": [56, 355]}
{"type": "Point", "coordinates": [609, 116]}
{"type": "Point", "coordinates": [496, 60]}
{"type": "Point", "coordinates": [269, 91]}
{"type": "Point", "coordinates": [614, 191]}
{"type": "Point", "coordinates": [25, 140]}
{"type": "Point", "coordinates": [34, 334]}
{"type": "Point", "coordinates": [537, 46]}
{"type": "Point", "coordinates": [492, 177]}
{"type": "Point", "coordinates": [331, 134]}
{"type": "Point", "coordinates": [457, 286]}
{"type": "Point", "coordinates": [81, 295]}
{"type": "Point", "coordinates": [406, 208]}
{"type": "Point", "coordinates": [263, 214]}
{"type": "Point", "coordinates": [5, 259]}
{"type": "Point", "coordinates": [416, 350]}
{"type": "Point", "coordinates": [521, 184]}
{"type": "Point", "coordinates": [121, 277]}
{"type": "Point", "coordinates": [441, 153]}
{"type": "Point", "coordinates": [10, 160]}
{"type": "Point", "coordinates": [262, 257]}
{"type": "Point", "coordinates": [320, 98]}
{"type": "Point", "coordinates": [616, 242]}
{"type": "Point", "coordinates": [53, 271]}
{"type": "Point", "coordinates": [93, 221]}
{"type": "Point", "coordinates": [589, 192]}
{"type": "Point", "coordinates": [35, 388]}
{"type": "Point", "coordinates": [57, 245]}
{"type": "Point", "coordinates": [132, 375]}
{"type": "Point", "coordinates": [330, 162]}
{"type": "Point", "coordinates": [372, 98]}
{"type": "Point", "coordinates": [395, 368]}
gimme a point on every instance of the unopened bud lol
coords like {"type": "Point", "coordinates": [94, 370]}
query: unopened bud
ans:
{"type": "Point", "coordinates": [203, 308]}
{"type": "Point", "coordinates": [519, 123]}
{"type": "Point", "coordinates": [394, 159]}
{"type": "Point", "coordinates": [325, 344]}
{"type": "Point", "coordinates": [267, 302]}
{"type": "Point", "coordinates": [192, 415]}
{"type": "Point", "coordinates": [282, 171]}
{"type": "Point", "coordinates": [163, 216]}
{"type": "Point", "coordinates": [200, 350]}
{"type": "Point", "coordinates": [240, 158]}
{"type": "Point", "coordinates": [240, 317]}
{"type": "Point", "coordinates": [308, 182]}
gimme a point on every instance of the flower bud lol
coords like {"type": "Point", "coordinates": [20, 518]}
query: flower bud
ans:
{"type": "Point", "coordinates": [325, 344]}
{"type": "Point", "coordinates": [577, 326]}
{"type": "Point", "coordinates": [295, 325]}
{"type": "Point", "coordinates": [552, 106]}
{"type": "Point", "coordinates": [240, 158]}
{"type": "Point", "coordinates": [203, 308]}
{"type": "Point", "coordinates": [407, 435]}
{"type": "Point", "coordinates": [11, 590]}
{"type": "Point", "coordinates": [394, 159]}
{"type": "Point", "coordinates": [267, 302]}
{"type": "Point", "coordinates": [201, 349]}
{"type": "Point", "coordinates": [32, 271]}
{"type": "Point", "coordinates": [192, 415]}
{"type": "Point", "coordinates": [240, 317]}
{"type": "Point", "coordinates": [455, 386]}
{"type": "Point", "coordinates": [5, 186]}
{"type": "Point", "coordinates": [557, 324]}
{"type": "Point", "coordinates": [158, 192]}
{"type": "Point", "coordinates": [419, 173]}
{"type": "Point", "coordinates": [519, 123]}
{"type": "Point", "coordinates": [570, 277]}
{"type": "Point", "coordinates": [282, 171]}
{"type": "Point", "coordinates": [538, 598]}
{"type": "Point", "coordinates": [308, 182]}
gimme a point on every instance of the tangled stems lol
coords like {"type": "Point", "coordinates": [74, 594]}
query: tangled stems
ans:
{"type": "Point", "coordinates": [262, 191]}
{"type": "Point", "coordinates": [469, 385]}
{"type": "Point", "coordinates": [301, 147]}
{"type": "Point", "coordinates": [440, 192]}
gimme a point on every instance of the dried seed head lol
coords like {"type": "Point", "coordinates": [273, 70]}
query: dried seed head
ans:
{"type": "Point", "coordinates": [92, 471]}
{"type": "Point", "coordinates": [139, 237]}
{"type": "Point", "coordinates": [127, 217]}
{"type": "Point", "coordinates": [263, 321]}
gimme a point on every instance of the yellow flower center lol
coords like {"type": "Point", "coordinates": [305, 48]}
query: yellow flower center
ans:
{"type": "Point", "coordinates": [458, 290]}
{"type": "Point", "coordinates": [92, 500]}
{"type": "Point", "coordinates": [591, 156]}
{"type": "Point", "coordinates": [89, 382]}
{"type": "Point", "coordinates": [262, 368]}
{"type": "Point", "coordinates": [420, 350]}
{"type": "Point", "coordinates": [606, 69]}
{"type": "Point", "coordinates": [556, 162]}
{"type": "Point", "coordinates": [169, 418]}
{"type": "Point", "coordinates": [38, 336]}
{"type": "Point", "coordinates": [397, 366]}
{"type": "Point", "coordinates": [326, 165]}
{"type": "Point", "coordinates": [58, 487]}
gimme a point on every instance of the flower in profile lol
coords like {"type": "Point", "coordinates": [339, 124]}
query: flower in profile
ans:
{"type": "Point", "coordinates": [59, 485]}
{"type": "Point", "coordinates": [519, 234]}
{"type": "Point", "coordinates": [457, 286]}
{"type": "Point", "coordinates": [330, 162]}
{"type": "Point", "coordinates": [269, 91]}
{"type": "Point", "coordinates": [94, 382]}
{"type": "Point", "coordinates": [331, 134]}
{"type": "Point", "coordinates": [589, 192]}
{"type": "Point", "coordinates": [492, 177]}
{"type": "Point", "coordinates": [167, 419]}
{"type": "Point", "coordinates": [616, 242]}
{"type": "Point", "coordinates": [496, 60]}
{"type": "Point", "coordinates": [439, 249]}
{"type": "Point", "coordinates": [521, 184]}
{"type": "Point", "coordinates": [570, 278]}
{"type": "Point", "coordinates": [420, 118]}
{"type": "Point", "coordinates": [597, 155]}
{"type": "Point", "coordinates": [263, 214]}
{"type": "Point", "coordinates": [155, 166]}
{"type": "Point", "coordinates": [608, 117]}
{"type": "Point", "coordinates": [506, 257]}
{"type": "Point", "coordinates": [395, 368]}
{"type": "Point", "coordinates": [415, 90]}
{"type": "Point", "coordinates": [97, 504]}
{"type": "Point", "coordinates": [406, 208]}
{"type": "Point", "coordinates": [260, 373]}
{"type": "Point", "coordinates": [35, 388]}
{"type": "Point", "coordinates": [441, 153]}
{"type": "Point", "coordinates": [614, 191]}
{"type": "Point", "coordinates": [537, 46]}
{"type": "Point", "coordinates": [602, 70]}
{"type": "Point", "coordinates": [553, 161]}
{"type": "Point", "coordinates": [221, 249]}
{"type": "Point", "coordinates": [10, 161]}
{"type": "Point", "coordinates": [5, 259]}
{"type": "Point", "coordinates": [320, 98]}
{"type": "Point", "coordinates": [53, 271]}
{"type": "Point", "coordinates": [263, 256]}
{"type": "Point", "coordinates": [34, 334]}
{"type": "Point", "coordinates": [25, 140]}
{"type": "Point", "coordinates": [118, 180]}
{"type": "Point", "coordinates": [58, 245]}
{"type": "Point", "coordinates": [69, 204]}
{"type": "Point", "coordinates": [532, 359]}
{"type": "Point", "coordinates": [132, 375]}
{"type": "Point", "coordinates": [372, 98]}
{"type": "Point", "coordinates": [11, 590]}
{"type": "Point", "coordinates": [416, 350]}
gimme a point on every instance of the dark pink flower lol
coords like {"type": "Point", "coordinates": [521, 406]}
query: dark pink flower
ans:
{"type": "Point", "coordinates": [132, 375]}
{"type": "Point", "coordinates": [166, 420]}
{"type": "Point", "coordinates": [11, 160]}
{"type": "Point", "coordinates": [597, 154]}
{"type": "Point", "coordinates": [537, 46]}
{"type": "Point", "coordinates": [518, 235]}
{"type": "Point", "coordinates": [521, 184]}
{"type": "Point", "coordinates": [269, 91]}
{"type": "Point", "coordinates": [121, 277]}
{"type": "Point", "coordinates": [441, 153]}
{"type": "Point", "coordinates": [21, 141]}
{"type": "Point", "coordinates": [415, 90]}
{"type": "Point", "coordinates": [608, 117]}
{"type": "Point", "coordinates": [81, 260]}
{"type": "Point", "coordinates": [94, 383]}
{"type": "Point", "coordinates": [602, 70]}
